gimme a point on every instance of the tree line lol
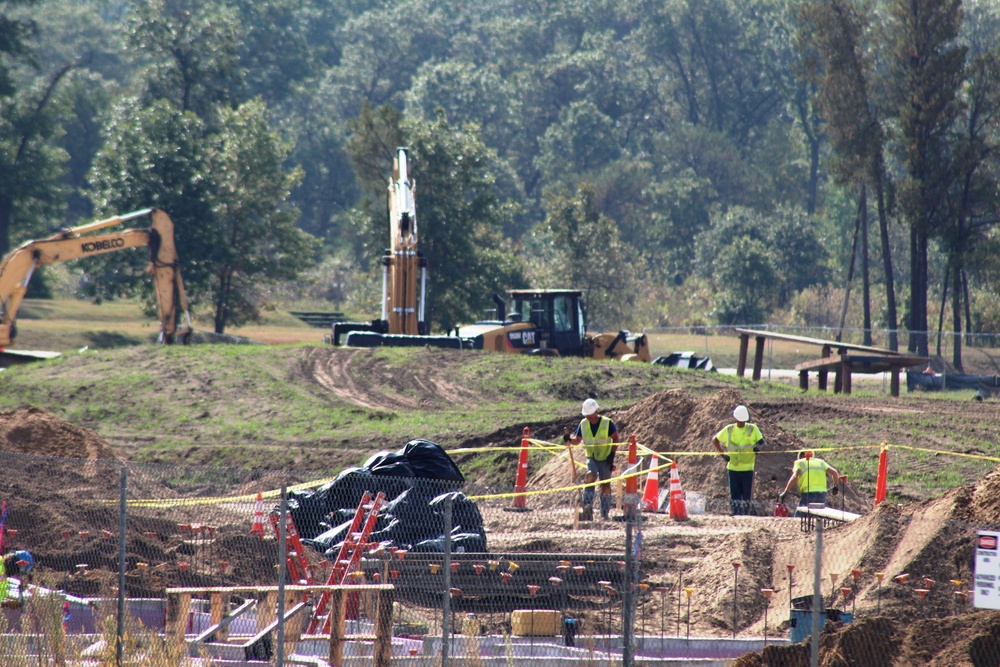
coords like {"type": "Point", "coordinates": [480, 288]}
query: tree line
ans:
{"type": "Point", "coordinates": [732, 151]}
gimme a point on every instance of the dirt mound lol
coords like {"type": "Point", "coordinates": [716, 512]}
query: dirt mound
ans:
{"type": "Point", "coordinates": [674, 421]}
{"type": "Point", "coordinates": [34, 431]}
{"type": "Point", "coordinates": [985, 502]}
{"type": "Point", "coordinates": [969, 640]}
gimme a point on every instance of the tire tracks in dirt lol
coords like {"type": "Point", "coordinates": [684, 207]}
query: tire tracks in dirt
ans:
{"type": "Point", "coordinates": [356, 376]}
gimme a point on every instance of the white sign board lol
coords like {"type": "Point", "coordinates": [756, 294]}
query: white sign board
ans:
{"type": "Point", "coordinates": [987, 583]}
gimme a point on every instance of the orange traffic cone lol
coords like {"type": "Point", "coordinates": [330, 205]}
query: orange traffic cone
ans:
{"type": "Point", "coordinates": [258, 518]}
{"type": "Point", "coordinates": [678, 507]}
{"type": "Point", "coordinates": [651, 494]}
{"type": "Point", "coordinates": [521, 482]}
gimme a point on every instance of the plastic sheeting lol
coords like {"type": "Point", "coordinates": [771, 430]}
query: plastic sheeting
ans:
{"type": "Point", "coordinates": [415, 479]}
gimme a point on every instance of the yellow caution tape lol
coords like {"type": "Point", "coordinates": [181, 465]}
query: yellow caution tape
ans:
{"type": "Point", "coordinates": [558, 449]}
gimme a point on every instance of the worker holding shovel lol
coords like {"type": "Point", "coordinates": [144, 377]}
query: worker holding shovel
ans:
{"type": "Point", "coordinates": [599, 436]}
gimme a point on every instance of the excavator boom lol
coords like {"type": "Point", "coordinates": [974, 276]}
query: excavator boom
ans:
{"type": "Point", "coordinates": [19, 265]}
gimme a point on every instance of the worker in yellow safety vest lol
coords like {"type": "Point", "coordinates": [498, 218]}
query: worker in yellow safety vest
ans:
{"type": "Point", "coordinates": [599, 436]}
{"type": "Point", "coordinates": [742, 441]}
{"type": "Point", "coordinates": [17, 562]}
{"type": "Point", "coordinates": [809, 473]}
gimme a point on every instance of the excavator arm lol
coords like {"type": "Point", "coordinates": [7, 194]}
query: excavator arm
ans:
{"type": "Point", "coordinates": [20, 264]}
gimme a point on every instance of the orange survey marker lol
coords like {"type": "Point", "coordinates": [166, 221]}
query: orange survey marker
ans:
{"type": "Point", "coordinates": [883, 473]}
{"type": "Point", "coordinates": [257, 528]}
{"type": "Point", "coordinates": [651, 494]}
{"type": "Point", "coordinates": [678, 507]}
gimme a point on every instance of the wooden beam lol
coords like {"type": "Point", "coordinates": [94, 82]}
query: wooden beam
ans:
{"type": "Point", "coordinates": [894, 383]}
{"type": "Point", "coordinates": [383, 629]}
{"type": "Point", "coordinates": [815, 341]}
{"type": "Point", "coordinates": [848, 366]}
{"type": "Point", "coordinates": [821, 375]}
{"type": "Point", "coordinates": [804, 380]}
{"type": "Point", "coordinates": [178, 606]}
{"type": "Point", "coordinates": [758, 357]}
{"type": "Point", "coordinates": [741, 361]}
{"type": "Point", "coordinates": [267, 609]}
{"type": "Point", "coordinates": [338, 608]}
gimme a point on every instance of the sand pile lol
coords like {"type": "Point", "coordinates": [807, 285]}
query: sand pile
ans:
{"type": "Point", "coordinates": [34, 431]}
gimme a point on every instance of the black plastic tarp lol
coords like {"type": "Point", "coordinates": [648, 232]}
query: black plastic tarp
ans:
{"type": "Point", "coordinates": [415, 480]}
{"type": "Point", "coordinates": [418, 458]}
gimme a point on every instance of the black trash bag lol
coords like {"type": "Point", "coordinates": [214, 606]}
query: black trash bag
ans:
{"type": "Point", "coordinates": [329, 540]}
{"type": "Point", "coordinates": [460, 543]}
{"type": "Point", "coordinates": [464, 512]}
{"type": "Point", "coordinates": [340, 498]}
{"type": "Point", "coordinates": [418, 458]}
{"type": "Point", "coordinates": [400, 534]}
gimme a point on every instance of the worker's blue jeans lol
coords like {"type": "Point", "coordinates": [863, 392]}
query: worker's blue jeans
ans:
{"type": "Point", "coordinates": [741, 491]}
{"type": "Point", "coordinates": [603, 471]}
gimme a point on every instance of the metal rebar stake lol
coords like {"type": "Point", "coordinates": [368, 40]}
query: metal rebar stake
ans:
{"type": "Point", "coordinates": [120, 641]}
{"type": "Point", "coordinates": [817, 603]}
{"type": "Point", "coordinates": [628, 594]}
{"type": "Point", "coordinates": [446, 602]}
{"type": "Point", "coordinates": [282, 556]}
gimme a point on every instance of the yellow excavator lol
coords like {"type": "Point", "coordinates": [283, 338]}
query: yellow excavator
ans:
{"type": "Point", "coordinates": [541, 322]}
{"type": "Point", "coordinates": [18, 266]}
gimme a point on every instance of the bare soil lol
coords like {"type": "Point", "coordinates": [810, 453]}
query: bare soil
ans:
{"type": "Point", "coordinates": [53, 504]}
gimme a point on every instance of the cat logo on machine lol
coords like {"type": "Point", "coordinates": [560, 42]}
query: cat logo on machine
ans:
{"type": "Point", "coordinates": [526, 338]}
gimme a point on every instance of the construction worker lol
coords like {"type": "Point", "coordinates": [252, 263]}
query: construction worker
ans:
{"type": "Point", "coordinates": [599, 436]}
{"type": "Point", "coordinates": [742, 441]}
{"type": "Point", "coordinates": [810, 472]}
{"type": "Point", "coordinates": [17, 562]}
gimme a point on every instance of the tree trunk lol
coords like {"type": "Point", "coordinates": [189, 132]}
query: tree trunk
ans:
{"type": "Point", "coordinates": [968, 306]}
{"type": "Point", "coordinates": [221, 299]}
{"type": "Point", "coordinates": [6, 209]}
{"type": "Point", "coordinates": [918, 291]}
{"type": "Point", "coordinates": [956, 314]}
{"type": "Point", "coordinates": [850, 275]}
{"type": "Point", "coordinates": [890, 290]}
{"type": "Point", "coordinates": [866, 296]}
{"type": "Point", "coordinates": [944, 299]}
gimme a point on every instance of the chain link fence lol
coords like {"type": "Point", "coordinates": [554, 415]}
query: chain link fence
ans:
{"type": "Point", "coordinates": [377, 569]}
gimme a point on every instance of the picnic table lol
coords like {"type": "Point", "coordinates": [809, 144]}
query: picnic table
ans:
{"type": "Point", "coordinates": [843, 359]}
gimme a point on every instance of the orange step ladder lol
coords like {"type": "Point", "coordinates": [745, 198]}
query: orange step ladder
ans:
{"type": "Point", "coordinates": [354, 545]}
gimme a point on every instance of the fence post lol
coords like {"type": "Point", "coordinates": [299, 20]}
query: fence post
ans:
{"type": "Point", "coordinates": [817, 603]}
{"type": "Point", "coordinates": [120, 640]}
{"type": "Point", "coordinates": [282, 554]}
{"type": "Point", "coordinates": [446, 602]}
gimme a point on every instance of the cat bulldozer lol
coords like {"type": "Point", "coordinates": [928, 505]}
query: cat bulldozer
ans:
{"type": "Point", "coordinates": [550, 322]}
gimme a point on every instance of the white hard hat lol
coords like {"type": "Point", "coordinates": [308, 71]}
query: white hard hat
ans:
{"type": "Point", "coordinates": [589, 407]}
{"type": "Point", "coordinates": [741, 414]}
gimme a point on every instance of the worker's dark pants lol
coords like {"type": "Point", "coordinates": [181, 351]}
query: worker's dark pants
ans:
{"type": "Point", "coordinates": [741, 491]}
{"type": "Point", "coordinates": [812, 497]}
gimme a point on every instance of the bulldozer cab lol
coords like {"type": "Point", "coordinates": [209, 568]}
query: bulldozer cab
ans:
{"type": "Point", "coordinates": [558, 316]}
